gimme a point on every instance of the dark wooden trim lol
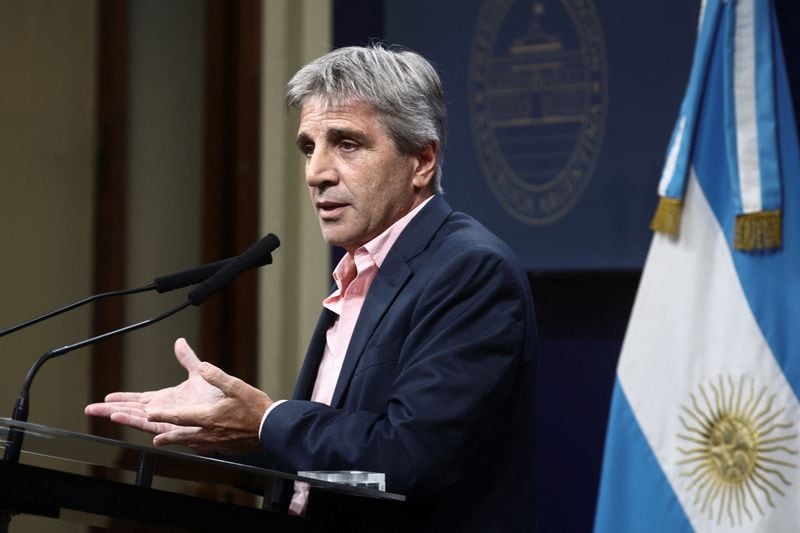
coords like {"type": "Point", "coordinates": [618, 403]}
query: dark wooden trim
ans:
{"type": "Point", "coordinates": [247, 174]}
{"type": "Point", "coordinates": [216, 161]}
{"type": "Point", "coordinates": [231, 177]}
{"type": "Point", "coordinates": [110, 206]}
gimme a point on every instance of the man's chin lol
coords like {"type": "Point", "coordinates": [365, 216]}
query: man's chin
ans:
{"type": "Point", "coordinates": [335, 238]}
{"type": "Point", "coordinates": [340, 233]}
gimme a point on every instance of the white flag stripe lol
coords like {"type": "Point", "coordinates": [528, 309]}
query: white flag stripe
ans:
{"type": "Point", "coordinates": [744, 98]}
{"type": "Point", "coordinates": [708, 331]}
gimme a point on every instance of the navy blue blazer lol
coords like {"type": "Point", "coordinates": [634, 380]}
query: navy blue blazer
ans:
{"type": "Point", "coordinates": [437, 386]}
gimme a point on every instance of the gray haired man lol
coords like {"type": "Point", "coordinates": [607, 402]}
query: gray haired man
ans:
{"type": "Point", "coordinates": [422, 362]}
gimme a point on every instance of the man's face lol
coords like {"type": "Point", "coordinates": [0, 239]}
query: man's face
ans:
{"type": "Point", "coordinates": [358, 181]}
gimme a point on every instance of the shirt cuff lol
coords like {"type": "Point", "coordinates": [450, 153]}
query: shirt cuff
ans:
{"type": "Point", "coordinates": [266, 414]}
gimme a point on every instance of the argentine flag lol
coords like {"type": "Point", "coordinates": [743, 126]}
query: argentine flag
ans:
{"type": "Point", "coordinates": [704, 421]}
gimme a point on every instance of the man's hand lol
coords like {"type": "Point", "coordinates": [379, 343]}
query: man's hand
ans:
{"type": "Point", "coordinates": [210, 411]}
{"type": "Point", "coordinates": [228, 424]}
{"type": "Point", "coordinates": [129, 408]}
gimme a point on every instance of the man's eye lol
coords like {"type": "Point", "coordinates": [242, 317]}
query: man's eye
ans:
{"type": "Point", "coordinates": [307, 149]}
{"type": "Point", "coordinates": [348, 146]}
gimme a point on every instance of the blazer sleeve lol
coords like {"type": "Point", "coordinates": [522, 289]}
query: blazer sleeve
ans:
{"type": "Point", "coordinates": [463, 336]}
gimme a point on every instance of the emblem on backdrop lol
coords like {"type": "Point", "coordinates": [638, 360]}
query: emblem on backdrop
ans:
{"type": "Point", "coordinates": [538, 99]}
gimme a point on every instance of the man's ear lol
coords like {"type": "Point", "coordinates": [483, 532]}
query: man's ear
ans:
{"type": "Point", "coordinates": [425, 169]}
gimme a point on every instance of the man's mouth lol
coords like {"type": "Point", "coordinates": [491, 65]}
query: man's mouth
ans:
{"type": "Point", "coordinates": [329, 209]}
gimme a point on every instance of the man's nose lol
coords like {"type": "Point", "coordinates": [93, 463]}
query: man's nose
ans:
{"type": "Point", "coordinates": [320, 169]}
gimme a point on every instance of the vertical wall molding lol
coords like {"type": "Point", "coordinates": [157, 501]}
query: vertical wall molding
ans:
{"type": "Point", "coordinates": [231, 177]}
{"type": "Point", "coordinates": [110, 229]}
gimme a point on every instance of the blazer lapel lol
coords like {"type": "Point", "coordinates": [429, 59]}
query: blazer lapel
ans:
{"type": "Point", "coordinates": [308, 373]}
{"type": "Point", "coordinates": [392, 276]}
{"type": "Point", "coordinates": [381, 294]}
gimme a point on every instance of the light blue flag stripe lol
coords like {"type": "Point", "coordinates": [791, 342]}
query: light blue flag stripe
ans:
{"type": "Point", "coordinates": [634, 493]}
{"type": "Point", "coordinates": [676, 168]}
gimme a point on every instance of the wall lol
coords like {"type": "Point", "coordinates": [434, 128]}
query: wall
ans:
{"type": "Point", "coordinates": [165, 121]}
{"type": "Point", "coordinates": [47, 178]}
{"type": "Point", "coordinates": [47, 172]}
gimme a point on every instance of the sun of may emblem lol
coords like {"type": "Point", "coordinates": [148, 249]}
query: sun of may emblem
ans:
{"type": "Point", "coordinates": [737, 450]}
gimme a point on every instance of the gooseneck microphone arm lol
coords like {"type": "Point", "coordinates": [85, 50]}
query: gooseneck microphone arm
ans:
{"type": "Point", "coordinates": [258, 254]}
{"type": "Point", "coordinates": [14, 445]}
{"type": "Point", "coordinates": [161, 284]}
{"type": "Point", "coordinates": [73, 305]}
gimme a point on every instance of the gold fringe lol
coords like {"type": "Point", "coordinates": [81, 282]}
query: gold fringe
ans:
{"type": "Point", "coordinates": [668, 216]}
{"type": "Point", "coordinates": [758, 231]}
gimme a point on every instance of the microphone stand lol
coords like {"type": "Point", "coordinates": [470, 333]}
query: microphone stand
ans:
{"type": "Point", "coordinates": [21, 406]}
{"type": "Point", "coordinates": [218, 275]}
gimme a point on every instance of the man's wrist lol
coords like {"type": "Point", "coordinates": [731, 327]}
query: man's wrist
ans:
{"type": "Point", "coordinates": [270, 408]}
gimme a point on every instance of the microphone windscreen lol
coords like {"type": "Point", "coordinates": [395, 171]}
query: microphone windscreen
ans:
{"type": "Point", "coordinates": [258, 254]}
{"type": "Point", "coordinates": [192, 276]}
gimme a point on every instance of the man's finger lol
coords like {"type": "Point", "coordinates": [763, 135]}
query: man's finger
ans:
{"type": "Point", "coordinates": [127, 396]}
{"type": "Point", "coordinates": [133, 410]}
{"type": "Point", "coordinates": [107, 409]}
{"type": "Point", "coordinates": [217, 377]}
{"type": "Point", "coordinates": [138, 422]}
{"type": "Point", "coordinates": [185, 436]}
{"type": "Point", "coordinates": [97, 409]}
{"type": "Point", "coordinates": [185, 355]}
{"type": "Point", "coordinates": [179, 417]}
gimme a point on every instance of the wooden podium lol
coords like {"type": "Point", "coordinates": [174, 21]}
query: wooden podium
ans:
{"type": "Point", "coordinates": [118, 485]}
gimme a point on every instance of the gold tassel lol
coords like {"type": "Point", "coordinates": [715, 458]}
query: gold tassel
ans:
{"type": "Point", "coordinates": [668, 216]}
{"type": "Point", "coordinates": [758, 231]}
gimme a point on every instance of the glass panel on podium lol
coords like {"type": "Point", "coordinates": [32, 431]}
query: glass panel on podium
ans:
{"type": "Point", "coordinates": [96, 480]}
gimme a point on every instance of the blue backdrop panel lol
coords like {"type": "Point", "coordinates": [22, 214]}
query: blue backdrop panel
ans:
{"type": "Point", "coordinates": [560, 113]}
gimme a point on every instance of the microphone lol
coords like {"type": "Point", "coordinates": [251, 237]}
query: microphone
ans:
{"type": "Point", "coordinates": [253, 256]}
{"type": "Point", "coordinates": [258, 254]}
{"type": "Point", "coordinates": [161, 284]}
{"type": "Point", "coordinates": [184, 278]}
{"type": "Point", "coordinates": [196, 275]}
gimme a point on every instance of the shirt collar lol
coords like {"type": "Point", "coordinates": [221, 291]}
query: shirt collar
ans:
{"type": "Point", "coordinates": [376, 250]}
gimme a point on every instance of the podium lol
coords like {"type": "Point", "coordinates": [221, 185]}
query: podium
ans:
{"type": "Point", "coordinates": [109, 483]}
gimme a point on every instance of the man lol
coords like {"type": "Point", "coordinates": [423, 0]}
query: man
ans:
{"type": "Point", "coordinates": [422, 363]}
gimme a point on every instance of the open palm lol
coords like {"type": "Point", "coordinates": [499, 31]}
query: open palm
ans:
{"type": "Point", "coordinates": [131, 408]}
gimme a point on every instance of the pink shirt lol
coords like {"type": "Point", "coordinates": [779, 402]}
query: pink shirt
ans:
{"type": "Point", "coordinates": [353, 276]}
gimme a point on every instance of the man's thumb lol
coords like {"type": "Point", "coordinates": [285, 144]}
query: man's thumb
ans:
{"type": "Point", "coordinates": [215, 376]}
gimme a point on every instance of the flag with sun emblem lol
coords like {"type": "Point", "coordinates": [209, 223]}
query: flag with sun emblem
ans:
{"type": "Point", "coordinates": [704, 421]}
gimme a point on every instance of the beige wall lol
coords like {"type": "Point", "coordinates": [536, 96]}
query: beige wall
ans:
{"type": "Point", "coordinates": [46, 175]}
{"type": "Point", "coordinates": [46, 178]}
{"type": "Point", "coordinates": [291, 290]}
{"type": "Point", "coordinates": [165, 139]}
{"type": "Point", "coordinates": [47, 56]}
{"type": "Point", "coordinates": [46, 144]}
